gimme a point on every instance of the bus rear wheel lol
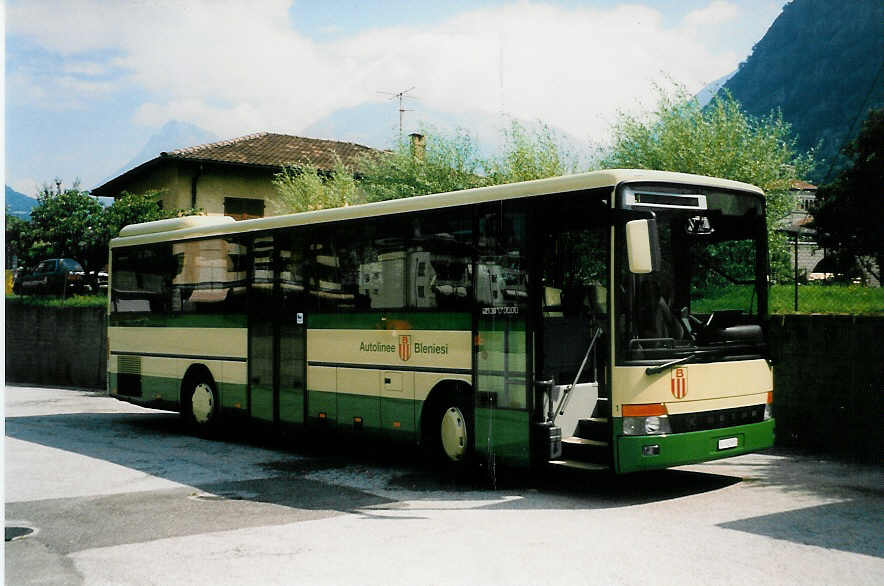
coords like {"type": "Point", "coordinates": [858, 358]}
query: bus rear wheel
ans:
{"type": "Point", "coordinates": [200, 407]}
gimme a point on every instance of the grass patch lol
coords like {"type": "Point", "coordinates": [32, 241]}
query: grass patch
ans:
{"type": "Point", "coordinates": [835, 299]}
{"type": "Point", "coordinates": [56, 301]}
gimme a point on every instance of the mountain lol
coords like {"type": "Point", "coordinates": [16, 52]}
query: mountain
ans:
{"type": "Point", "coordinates": [705, 95]}
{"type": "Point", "coordinates": [820, 63]}
{"type": "Point", "coordinates": [19, 204]}
{"type": "Point", "coordinates": [173, 135]}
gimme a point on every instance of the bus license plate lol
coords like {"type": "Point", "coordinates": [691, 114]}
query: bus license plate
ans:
{"type": "Point", "coordinates": [727, 443]}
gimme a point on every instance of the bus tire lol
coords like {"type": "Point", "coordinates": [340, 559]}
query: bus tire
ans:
{"type": "Point", "coordinates": [448, 431]}
{"type": "Point", "coordinates": [200, 407]}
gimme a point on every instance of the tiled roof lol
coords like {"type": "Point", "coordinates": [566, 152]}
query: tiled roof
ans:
{"type": "Point", "coordinates": [802, 185]}
{"type": "Point", "coordinates": [275, 150]}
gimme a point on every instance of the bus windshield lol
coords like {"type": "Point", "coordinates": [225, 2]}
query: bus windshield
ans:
{"type": "Point", "coordinates": [703, 301]}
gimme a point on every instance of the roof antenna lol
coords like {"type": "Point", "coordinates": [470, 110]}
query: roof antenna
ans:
{"type": "Point", "coordinates": [401, 96]}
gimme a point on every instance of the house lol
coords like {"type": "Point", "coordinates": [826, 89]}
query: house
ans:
{"type": "Point", "coordinates": [802, 236]}
{"type": "Point", "coordinates": [231, 177]}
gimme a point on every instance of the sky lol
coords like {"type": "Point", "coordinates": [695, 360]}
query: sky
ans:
{"type": "Point", "coordinates": [88, 82]}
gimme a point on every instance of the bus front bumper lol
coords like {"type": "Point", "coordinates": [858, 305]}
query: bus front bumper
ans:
{"type": "Point", "coordinates": [649, 452]}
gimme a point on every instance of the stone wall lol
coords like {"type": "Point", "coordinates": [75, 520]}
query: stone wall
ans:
{"type": "Point", "coordinates": [56, 346]}
{"type": "Point", "coordinates": [829, 383]}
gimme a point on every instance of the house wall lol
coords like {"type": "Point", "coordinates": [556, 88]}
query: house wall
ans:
{"type": "Point", "coordinates": [175, 179]}
{"type": "Point", "coordinates": [175, 189]}
{"type": "Point", "coordinates": [215, 184]}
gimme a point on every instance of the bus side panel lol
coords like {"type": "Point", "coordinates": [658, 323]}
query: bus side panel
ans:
{"type": "Point", "coordinates": [377, 379]}
{"type": "Point", "coordinates": [233, 387]}
{"type": "Point", "coordinates": [502, 436]}
{"type": "Point", "coordinates": [147, 364]}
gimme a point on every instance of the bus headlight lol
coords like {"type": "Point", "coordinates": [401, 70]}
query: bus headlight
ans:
{"type": "Point", "coordinates": [654, 425]}
{"type": "Point", "coordinates": [768, 407]}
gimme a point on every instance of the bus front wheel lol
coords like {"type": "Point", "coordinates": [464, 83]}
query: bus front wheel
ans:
{"type": "Point", "coordinates": [448, 432]}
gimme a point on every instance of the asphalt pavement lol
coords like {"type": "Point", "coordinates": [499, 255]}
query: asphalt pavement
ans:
{"type": "Point", "coordinates": [103, 492]}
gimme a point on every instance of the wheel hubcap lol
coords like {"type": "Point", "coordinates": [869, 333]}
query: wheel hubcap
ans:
{"type": "Point", "coordinates": [454, 433]}
{"type": "Point", "coordinates": [202, 403]}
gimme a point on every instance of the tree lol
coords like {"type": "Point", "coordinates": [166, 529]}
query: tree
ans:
{"type": "Point", "coordinates": [850, 212]}
{"type": "Point", "coordinates": [305, 188]}
{"type": "Point", "coordinates": [448, 163]}
{"type": "Point", "coordinates": [719, 140]}
{"type": "Point", "coordinates": [530, 154]}
{"type": "Point", "coordinates": [71, 223]}
{"type": "Point", "coordinates": [67, 223]}
{"type": "Point", "coordinates": [131, 208]}
{"type": "Point", "coordinates": [17, 243]}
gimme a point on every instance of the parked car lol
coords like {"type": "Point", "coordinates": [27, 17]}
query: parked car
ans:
{"type": "Point", "coordinates": [54, 276]}
{"type": "Point", "coordinates": [96, 281]}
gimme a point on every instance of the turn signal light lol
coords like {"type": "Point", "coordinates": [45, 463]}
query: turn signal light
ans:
{"type": "Point", "coordinates": [644, 410]}
{"type": "Point", "coordinates": [770, 397]}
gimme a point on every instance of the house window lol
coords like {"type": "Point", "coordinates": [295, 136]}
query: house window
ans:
{"type": "Point", "coordinates": [241, 208]}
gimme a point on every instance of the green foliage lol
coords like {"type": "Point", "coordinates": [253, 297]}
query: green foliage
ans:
{"type": "Point", "coordinates": [17, 242]}
{"type": "Point", "coordinates": [98, 300]}
{"type": "Point", "coordinates": [71, 223]}
{"type": "Point", "coordinates": [850, 211]}
{"type": "Point", "coordinates": [449, 163]}
{"type": "Point", "coordinates": [67, 223]}
{"type": "Point", "coordinates": [453, 162]}
{"type": "Point", "coordinates": [530, 155]}
{"type": "Point", "coordinates": [720, 140]}
{"type": "Point", "coordinates": [132, 208]}
{"type": "Point", "coordinates": [305, 188]}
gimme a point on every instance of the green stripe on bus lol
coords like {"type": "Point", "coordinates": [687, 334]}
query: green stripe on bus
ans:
{"type": "Point", "coordinates": [389, 321]}
{"type": "Point", "coordinates": [688, 448]}
{"type": "Point", "coordinates": [160, 388]}
{"type": "Point", "coordinates": [186, 320]}
{"type": "Point", "coordinates": [390, 416]}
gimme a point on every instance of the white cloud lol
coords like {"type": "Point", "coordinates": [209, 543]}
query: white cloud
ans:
{"type": "Point", "coordinates": [235, 67]}
{"type": "Point", "coordinates": [716, 13]}
{"type": "Point", "coordinates": [26, 185]}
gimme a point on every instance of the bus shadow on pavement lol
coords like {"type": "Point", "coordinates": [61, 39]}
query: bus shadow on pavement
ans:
{"type": "Point", "coordinates": [245, 467]}
{"type": "Point", "coordinates": [852, 526]}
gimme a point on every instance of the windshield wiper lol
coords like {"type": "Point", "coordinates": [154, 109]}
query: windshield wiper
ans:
{"type": "Point", "coordinates": [684, 359]}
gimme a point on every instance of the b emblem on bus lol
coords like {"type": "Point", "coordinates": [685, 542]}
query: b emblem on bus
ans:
{"type": "Point", "coordinates": [679, 382]}
{"type": "Point", "coordinates": [404, 347]}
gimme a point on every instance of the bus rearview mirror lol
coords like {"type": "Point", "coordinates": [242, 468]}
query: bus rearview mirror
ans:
{"type": "Point", "coordinates": [642, 246]}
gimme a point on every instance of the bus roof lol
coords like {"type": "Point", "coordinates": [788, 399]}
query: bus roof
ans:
{"type": "Point", "coordinates": [207, 226]}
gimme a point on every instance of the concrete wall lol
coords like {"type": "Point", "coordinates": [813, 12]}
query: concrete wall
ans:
{"type": "Point", "coordinates": [56, 346]}
{"type": "Point", "coordinates": [829, 384]}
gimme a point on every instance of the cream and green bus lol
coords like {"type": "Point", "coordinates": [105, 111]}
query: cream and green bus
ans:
{"type": "Point", "coordinates": [608, 320]}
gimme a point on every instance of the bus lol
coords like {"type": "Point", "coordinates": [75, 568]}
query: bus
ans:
{"type": "Point", "coordinates": [607, 320]}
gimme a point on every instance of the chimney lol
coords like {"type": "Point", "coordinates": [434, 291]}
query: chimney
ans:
{"type": "Point", "coordinates": [418, 145]}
